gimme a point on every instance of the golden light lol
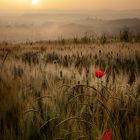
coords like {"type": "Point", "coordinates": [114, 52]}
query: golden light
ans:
{"type": "Point", "coordinates": [35, 2]}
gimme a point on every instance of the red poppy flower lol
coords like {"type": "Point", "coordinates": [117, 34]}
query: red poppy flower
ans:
{"type": "Point", "coordinates": [99, 74]}
{"type": "Point", "coordinates": [107, 135]}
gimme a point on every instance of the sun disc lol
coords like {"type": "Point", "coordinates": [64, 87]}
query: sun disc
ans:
{"type": "Point", "coordinates": [35, 2]}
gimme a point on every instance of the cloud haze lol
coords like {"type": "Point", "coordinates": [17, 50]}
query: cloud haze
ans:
{"type": "Point", "coordinates": [70, 4]}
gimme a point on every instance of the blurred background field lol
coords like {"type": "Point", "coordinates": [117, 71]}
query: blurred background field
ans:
{"type": "Point", "coordinates": [34, 25]}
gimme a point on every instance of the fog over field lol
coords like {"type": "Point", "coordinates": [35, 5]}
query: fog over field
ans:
{"type": "Point", "coordinates": [53, 24]}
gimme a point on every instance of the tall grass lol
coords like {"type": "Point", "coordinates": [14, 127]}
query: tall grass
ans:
{"type": "Point", "coordinates": [49, 91]}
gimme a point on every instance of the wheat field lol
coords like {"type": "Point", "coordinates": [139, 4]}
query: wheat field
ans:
{"type": "Point", "coordinates": [49, 90]}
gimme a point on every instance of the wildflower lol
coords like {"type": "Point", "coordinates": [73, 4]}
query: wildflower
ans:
{"type": "Point", "coordinates": [107, 135]}
{"type": "Point", "coordinates": [99, 74]}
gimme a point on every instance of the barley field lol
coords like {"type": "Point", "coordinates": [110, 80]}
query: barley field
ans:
{"type": "Point", "coordinates": [49, 90]}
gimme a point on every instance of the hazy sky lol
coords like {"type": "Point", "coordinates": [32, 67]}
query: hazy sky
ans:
{"type": "Point", "coordinates": [69, 4]}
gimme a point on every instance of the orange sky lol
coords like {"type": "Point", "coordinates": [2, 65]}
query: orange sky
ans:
{"type": "Point", "coordinates": [70, 4]}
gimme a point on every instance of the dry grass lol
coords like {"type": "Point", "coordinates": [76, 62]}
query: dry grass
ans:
{"type": "Point", "coordinates": [48, 91]}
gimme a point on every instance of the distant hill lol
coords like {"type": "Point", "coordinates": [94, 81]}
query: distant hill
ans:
{"type": "Point", "coordinates": [43, 25]}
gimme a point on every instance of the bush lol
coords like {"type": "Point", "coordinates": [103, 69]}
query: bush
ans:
{"type": "Point", "coordinates": [125, 35]}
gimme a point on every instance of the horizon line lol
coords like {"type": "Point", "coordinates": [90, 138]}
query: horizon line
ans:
{"type": "Point", "coordinates": [69, 10]}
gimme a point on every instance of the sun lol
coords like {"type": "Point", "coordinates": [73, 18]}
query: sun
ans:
{"type": "Point", "coordinates": [35, 2]}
